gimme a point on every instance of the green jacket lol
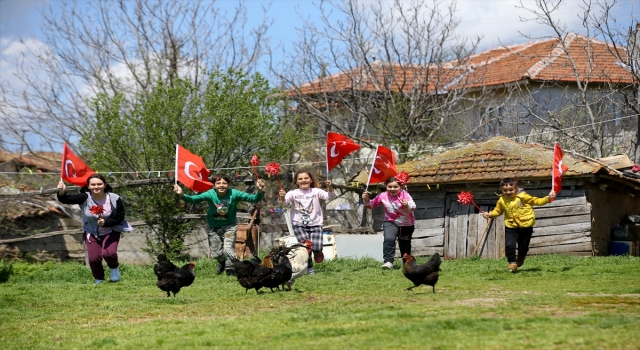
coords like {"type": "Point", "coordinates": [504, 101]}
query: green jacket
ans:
{"type": "Point", "coordinates": [222, 210]}
{"type": "Point", "coordinates": [518, 212]}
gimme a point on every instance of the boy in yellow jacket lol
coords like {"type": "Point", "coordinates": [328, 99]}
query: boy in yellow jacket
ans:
{"type": "Point", "coordinates": [519, 219]}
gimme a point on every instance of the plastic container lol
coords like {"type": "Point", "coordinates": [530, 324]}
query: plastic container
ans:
{"type": "Point", "coordinates": [622, 248]}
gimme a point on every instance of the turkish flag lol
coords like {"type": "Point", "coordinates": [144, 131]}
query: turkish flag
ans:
{"type": "Point", "coordinates": [338, 147]}
{"type": "Point", "coordinates": [191, 171]}
{"type": "Point", "coordinates": [558, 169]}
{"type": "Point", "coordinates": [384, 166]}
{"type": "Point", "coordinates": [74, 170]}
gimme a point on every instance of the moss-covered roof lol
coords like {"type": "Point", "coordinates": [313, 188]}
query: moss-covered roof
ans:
{"type": "Point", "coordinates": [489, 161]}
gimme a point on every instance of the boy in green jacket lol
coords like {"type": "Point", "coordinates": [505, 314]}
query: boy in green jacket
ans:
{"type": "Point", "coordinates": [221, 217]}
{"type": "Point", "coordinates": [519, 219]}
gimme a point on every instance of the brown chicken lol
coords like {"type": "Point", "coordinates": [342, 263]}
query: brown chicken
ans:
{"type": "Point", "coordinates": [426, 273]}
{"type": "Point", "coordinates": [280, 272]}
{"type": "Point", "coordinates": [171, 278]}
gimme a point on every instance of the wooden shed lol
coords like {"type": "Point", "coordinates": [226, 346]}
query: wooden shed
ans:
{"type": "Point", "coordinates": [578, 222]}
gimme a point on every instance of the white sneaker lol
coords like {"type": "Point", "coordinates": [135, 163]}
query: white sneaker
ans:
{"type": "Point", "coordinates": [115, 274]}
{"type": "Point", "coordinates": [97, 282]}
{"type": "Point", "coordinates": [387, 265]}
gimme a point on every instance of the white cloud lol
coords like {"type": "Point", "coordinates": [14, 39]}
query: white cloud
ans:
{"type": "Point", "coordinates": [12, 53]}
{"type": "Point", "coordinates": [501, 22]}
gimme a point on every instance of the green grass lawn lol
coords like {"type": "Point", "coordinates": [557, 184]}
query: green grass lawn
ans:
{"type": "Point", "coordinates": [553, 302]}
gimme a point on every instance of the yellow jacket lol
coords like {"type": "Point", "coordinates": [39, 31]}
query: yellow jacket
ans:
{"type": "Point", "coordinates": [518, 212]}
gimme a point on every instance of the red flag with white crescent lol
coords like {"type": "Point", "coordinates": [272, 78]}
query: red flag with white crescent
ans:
{"type": "Point", "coordinates": [74, 170]}
{"type": "Point", "coordinates": [338, 147]}
{"type": "Point", "coordinates": [384, 166]}
{"type": "Point", "coordinates": [558, 169]}
{"type": "Point", "coordinates": [191, 171]}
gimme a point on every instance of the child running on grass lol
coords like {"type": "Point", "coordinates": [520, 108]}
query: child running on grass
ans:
{"type": "Point", "coordinates": [519, 219]}
{"type": "Point", "coordinates": [221, 217]}
{"type": "Point", "coordinates": [399, 221]}
{"type": "Point", "coordinates": [306, 212]}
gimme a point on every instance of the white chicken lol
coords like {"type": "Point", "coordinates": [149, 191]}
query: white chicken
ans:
{"type": "Point", "coordinates": [299, 258]}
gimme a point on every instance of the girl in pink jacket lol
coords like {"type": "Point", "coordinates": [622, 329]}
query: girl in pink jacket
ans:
{"type": "Point", "coordinates": [398, 219]}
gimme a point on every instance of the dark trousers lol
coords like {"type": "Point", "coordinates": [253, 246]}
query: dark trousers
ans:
{"type": "Point", "coordinates": [106, 248]}
{"type": "Point", "coordinates": [391, 232]}
{"type": "Point", "coordinates": [521, 236]}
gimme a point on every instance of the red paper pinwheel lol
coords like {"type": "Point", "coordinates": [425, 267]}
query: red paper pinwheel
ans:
{"type": "Point", "coordinates": [255, 161]}
{"type": "Point", "coordinates": [97, 210]}
{"type": "Point", "coordinates": [273, 169]}
{"type": "Point", "coordinates": [403, 177]}
{"type": "Point", "coordinates": [466, 198]}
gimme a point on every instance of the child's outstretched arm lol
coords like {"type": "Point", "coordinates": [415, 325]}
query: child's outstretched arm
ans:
{"type": "Point", "coordinates": [178, 190]}
{"type": "Point", "coordinates": [331, 193]}
{"type": "Point", "coordinates": [537, 201]}
{"type": "Point", "coordinates": [281, 195]}
{"type": "Point", "coordinates": [368, 203]}
{"type": "Point", "coordinates": [497, 211]}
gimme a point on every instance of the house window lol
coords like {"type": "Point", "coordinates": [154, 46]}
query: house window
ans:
{"type": "Point", "coordinates": [490, 120]}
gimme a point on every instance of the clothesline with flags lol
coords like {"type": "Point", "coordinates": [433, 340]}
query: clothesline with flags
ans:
{"type": "Point", "coordinates": [440, 148]}
{"type": "Point", "coordinates": [191, 171]}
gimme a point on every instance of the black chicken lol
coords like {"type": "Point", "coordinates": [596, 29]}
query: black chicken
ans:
{"type": "Point", "coordinates": [280, 272]}
{"type": "Point", "coordinates": [250, 273]}
{"type": "Point", "coordinates": [171, 278]}
{"type": "Point", "coordinates": [426, 274]}
{"type": "Point", "coordinates": [255, 274]}
{"type": "Point", "coordinates": [163, 266]}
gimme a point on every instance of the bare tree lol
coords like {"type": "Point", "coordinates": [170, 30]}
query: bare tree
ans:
{"type": "Point", "coordinates": [618, 36]}
{"type": "Point", "coordinates": [400, 72]}
{"type": "Point", "coordinates": [118, 46]}
{"type": "Point", "coordinates": [591, 101]}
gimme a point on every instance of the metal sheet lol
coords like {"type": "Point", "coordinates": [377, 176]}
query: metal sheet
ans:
{"type": "Point", "coordinates": [359, 246]}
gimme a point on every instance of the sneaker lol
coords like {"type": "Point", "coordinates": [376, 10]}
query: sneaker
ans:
{"type": "Point", "coordinates": [513, 267]}
{"type": "Point", "coordinates": [387, 265]}
{"type": "Point", "coordinates": [115, 274]}
{"type": "Point", "coordinates": [231, 273]}
{"type": "Point", "coordinates": [520, 260]}
{"type": "Point", "coordinates": [311, 271]}
{"type": "Point", "coordinates": [220, 268]}
{"type": "Point", "coordinates": [97, 282]}
{"type": "Point", "coordinates": [318, 257]}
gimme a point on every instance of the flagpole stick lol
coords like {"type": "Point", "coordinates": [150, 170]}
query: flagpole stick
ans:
{"type": "Point", "coordinates": [371, 171]}
{"type": "Point", "coordinates": [176, 167]}
{"type": "Point", "coordinates": [64, 155]}
{"type": "Point", "coordinates": [553, 170]}
{"type": "Point", "coordinates": [326, 155]}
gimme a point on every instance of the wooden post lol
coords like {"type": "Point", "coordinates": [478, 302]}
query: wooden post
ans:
{"type": "Point", "coordinates": [486, 229]}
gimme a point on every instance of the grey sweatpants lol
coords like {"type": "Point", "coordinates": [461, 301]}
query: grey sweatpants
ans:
{"type": "Point", "coordinates": [222, 243]}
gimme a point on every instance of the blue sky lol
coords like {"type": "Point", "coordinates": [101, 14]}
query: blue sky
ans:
{"type": "Point", "coordinates": [497, 20]}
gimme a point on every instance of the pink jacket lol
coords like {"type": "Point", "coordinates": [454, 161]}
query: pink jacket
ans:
{"type": "Point", "coordinates": [393, 209]}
